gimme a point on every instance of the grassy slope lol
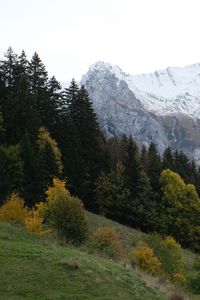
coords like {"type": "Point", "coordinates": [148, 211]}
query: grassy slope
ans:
{"type": "Point", "coordinates": [33, 267]}
{"type": "Point", "coordinates": [130, 237]}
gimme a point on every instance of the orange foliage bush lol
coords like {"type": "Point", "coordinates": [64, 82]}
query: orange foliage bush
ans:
{"type": "Point", "coordinates": [34, 222]}
{"type": "Point", "coordinates": [106, 242]}
{"type": "Point", "coordinates": [35, 219]}
{"type": "Point", "coordinates": [145, 259]}
{"type": "Point", "coordinates": [13, 210]}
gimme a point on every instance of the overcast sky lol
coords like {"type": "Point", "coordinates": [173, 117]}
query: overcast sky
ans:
{"type": "Point", "coordinates": [138, 35]}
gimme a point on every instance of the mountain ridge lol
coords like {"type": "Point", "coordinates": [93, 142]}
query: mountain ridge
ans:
{"type": "Point", "coordinates": [167, 91]}
{"type": "Point", "coordinates": [135, 105]}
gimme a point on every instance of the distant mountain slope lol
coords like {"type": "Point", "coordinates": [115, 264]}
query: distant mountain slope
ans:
{"type": "Point", "coordinates": [173, 90]}
{"type": "Point", "coordinates": [161, 107]}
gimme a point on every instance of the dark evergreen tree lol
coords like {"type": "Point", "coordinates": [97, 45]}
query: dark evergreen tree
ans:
{"type": "Point", "coordinates": [154, 168]}
{"type": "Point", "coordinates": [11, 171]}
{"type": "Point", "coordinates": [15, 98]}
{"type": "Point", "coordinates": [168, 159]}
{"type": "Point", "coordinates": [31, 192]}
{"type": "Point", "coordinates": [144, 158]}
{"type": "Point", "coordinates": [114, 152]}
{"type": "Point", "coordinates": [45, 92]}
{"type": "Point", "coordinates": [84, 155]}
{"type": "Point", "coordinates": [119, 208]}
{"type": "Point", "coordinates": [181, 165]}
{"type": "Point", "coordinates": [137, 183]}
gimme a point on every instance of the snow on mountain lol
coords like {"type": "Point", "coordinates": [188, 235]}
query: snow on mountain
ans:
{"type": "Point", "coordinates": [161, 107]}
{"type": "Point", "coordinates": [173, 90]}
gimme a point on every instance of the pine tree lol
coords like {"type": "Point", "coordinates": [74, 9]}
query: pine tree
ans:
{"type": "Point", "coordinates": [112, 195]}
{"type": "Point", "coordinates": [15, 99]}
{"type": "Point", "coordinates": [11, 171]}
{"type": "Point", "coordinates": [120, 195]}
{"type": "Point", "coordinates": [103, 194]}
{"type": "Point", "coordinates": [138, 184]}
{"type": "Point", "coordinates": [154, 168]}
{"type": "Point", "coordinates": [144, 158]}
{"type": "Point", "coordinates": [31, 169]}
{"type": "Point", "coordinates": [87, 143]}
{"type": "Point", "coordinates": [38, 77]}
{"type": "Point", "coordinates": [2, 129]}
{"type": "Point", "coordinates": [168, 159]}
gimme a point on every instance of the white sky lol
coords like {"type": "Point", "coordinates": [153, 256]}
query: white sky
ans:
{"type": "Point", "coordinates": [138, 35]}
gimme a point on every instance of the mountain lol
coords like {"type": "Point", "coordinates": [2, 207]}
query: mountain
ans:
{"type": "Point", "coordinates": [161, 107]}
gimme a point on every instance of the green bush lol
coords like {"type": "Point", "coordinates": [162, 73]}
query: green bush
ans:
{"type": "Point", "coordinates": [168, 252]}
{"type": "Point", "coordinates": [196, 265]}
{"type": "Point", "coordinates": [193, 282]}
{"type": "Point", "coordinates": [65, 213]}
{"type": "Point", "coordinates": [105, 241]}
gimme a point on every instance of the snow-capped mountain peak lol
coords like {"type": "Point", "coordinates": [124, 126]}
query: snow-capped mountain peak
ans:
{"type": "Point", "coordinates": [172, 90]}
{"type": "Point", "coordinates": [161, 107]}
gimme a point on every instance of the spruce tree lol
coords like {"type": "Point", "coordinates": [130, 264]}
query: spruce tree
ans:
{"type": "Point", "coordinates": [15, 99]}
{"type": "Point", "coordinates": [31, 192]}
{"type": "Point", "coordinates": [11, 171]}
{"type": "Point", "coordinates": [168, 159]}
{"type": "Point", "coordinates": [120, 194]}
{"type": "Point", "coordinates": [138, 184]}
{"type": "Point", "coordinates": [154, 168]}
{"type": "Point", "coordinates": [103, 194]}
{"type": "Point", "coordinates": [144, 158]}
{"type": "Point", "coordinates": [86, 150]}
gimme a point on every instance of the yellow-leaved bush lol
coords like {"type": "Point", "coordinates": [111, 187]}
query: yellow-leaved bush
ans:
{"type": "Point", "coordinates": [14, 210]}
{"type": "Point", "coordinates": [169, 253]}
{"type": "Point", "coordinates": [105, 241]}
{"type": "Point", "coordinates": [34, 222]}
{"type": "Point", "coordinates": [145, 259]}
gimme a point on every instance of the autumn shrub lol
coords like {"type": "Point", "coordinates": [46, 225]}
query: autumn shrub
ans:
{"type": "Point", "coordinates": [145, 259]}
{"type": "Point", "coordinates": [105, 241]}
{"type": "Point", "coordinates": [168, 251]}
{"type": "Point", "coordinates": [14, 210]}
{"type": "Point", "coordinates": [34, 221]}
{"type": "Point", "coordinates": [65, 214]}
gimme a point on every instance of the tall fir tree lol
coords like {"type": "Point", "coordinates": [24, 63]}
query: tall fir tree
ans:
{"type": "Point", "coordinates": [11, 171]}
{"type": "Point", "coordinates": [138, 184]}
{"type": "Point", "coordinates": [154, 168]}
{"type": "Point", "coordinates": [168, 159]}
{"type": "Point", "coordinates": [87, 143]}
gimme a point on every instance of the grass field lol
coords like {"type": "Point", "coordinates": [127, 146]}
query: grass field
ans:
{"type": "Point", "coordinates": [130, 237]}
{"type": "Point", "coordinates": [39, 267]}
{"type": "Point", "coordinates": [33, 267]}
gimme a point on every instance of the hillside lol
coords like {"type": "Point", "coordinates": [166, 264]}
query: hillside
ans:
{"type": "Point", "coordinates": [130, 236]}
{"type": "Point", "coordinates": [35, 267]}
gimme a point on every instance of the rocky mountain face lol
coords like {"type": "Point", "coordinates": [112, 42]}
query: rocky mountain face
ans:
{"type": "Point", "coordinates": [161, 107]}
